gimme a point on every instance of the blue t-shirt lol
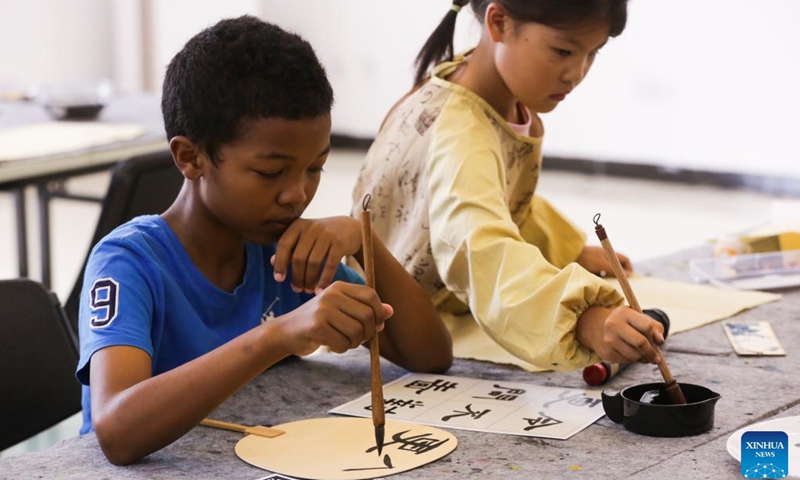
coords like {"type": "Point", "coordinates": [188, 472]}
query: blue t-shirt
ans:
{"type": "Point", "coordinates": [142, 289]}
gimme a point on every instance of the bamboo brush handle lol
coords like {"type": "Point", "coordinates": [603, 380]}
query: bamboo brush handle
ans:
{"type": "Point", "coordinates": [672, 387]}
{"type": "Point", "coordinates": [376, 387]}
{"type": "Point", "coordinates": [234, 427]}
{"type": "Point", "coordinates": [259, 430]}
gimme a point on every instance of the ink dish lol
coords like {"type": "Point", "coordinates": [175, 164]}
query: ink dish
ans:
{"type": "Point", "coordinates": [645, 409]}
{"type": "Point", "coordinates": [74, 112]}
{"type": "Point", "coordinates": [74, 102]}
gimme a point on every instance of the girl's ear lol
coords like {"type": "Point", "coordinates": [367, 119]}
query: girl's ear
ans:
{"type": "Point", "coordinates": [187, 157]}
{"type": "Point", "coordinates": [497, 22]}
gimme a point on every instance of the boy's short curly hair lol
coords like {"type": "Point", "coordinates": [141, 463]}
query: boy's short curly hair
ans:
{"type": "Point", "coordinates": [241, 68]}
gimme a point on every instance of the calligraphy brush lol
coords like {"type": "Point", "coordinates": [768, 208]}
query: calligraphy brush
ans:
{"type": "Point", "coordinates": [378, 413]}
{"type": "Point", "coordinates": [672, 388]}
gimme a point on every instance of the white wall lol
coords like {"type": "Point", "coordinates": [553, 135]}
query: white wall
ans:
{"type": "Point", "coordinates": [368, 49]}
{"type": "Point", "coordinates": [54, 41]}
{"type": "Point", "coordinates": [174, 22]}
{"type": "Point", "coordinates": [699, 84]}
{"type": "Point", "coordinates": [127, 45]}
{"type": "Point", "coordinates": [369, 65]}
{"type": "Point", "coordinates": [703, 84]}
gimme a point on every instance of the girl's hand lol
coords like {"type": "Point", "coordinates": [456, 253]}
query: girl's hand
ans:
{"type": "Point", "coordinates": [308, 244]}
{"type": "Point", "coordinates": [341, 317]}
{"type": "Point", "coordinates": [621, 335]}
{"type": "Point", "coordinates": [594, 260]}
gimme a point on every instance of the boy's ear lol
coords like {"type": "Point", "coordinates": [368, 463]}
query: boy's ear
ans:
{"type": "Point", "coordinates": [187, 157]}
{"type": "Point", "coordinates": [497, 21]}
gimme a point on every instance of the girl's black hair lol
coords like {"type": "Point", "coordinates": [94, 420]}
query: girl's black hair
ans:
{"type": "Point", "coordinates": [553, 13]}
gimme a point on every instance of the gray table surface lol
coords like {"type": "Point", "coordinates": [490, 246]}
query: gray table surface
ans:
{"type": "Point", "coordinates": [139, 109]}
{"type": "Point", "coordinates": [752, 389]}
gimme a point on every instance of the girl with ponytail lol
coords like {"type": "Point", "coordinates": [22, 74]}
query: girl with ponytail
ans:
{"type": "Point", "coordinates": [452, 175]}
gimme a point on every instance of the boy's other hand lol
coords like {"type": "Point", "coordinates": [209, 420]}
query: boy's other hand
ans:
{"type": "Point", "coordinates": [341, 317]}
{"type": "Point", "coordinates": [594, 260]}
{"type": "Point", "coordinates": [310, 244]}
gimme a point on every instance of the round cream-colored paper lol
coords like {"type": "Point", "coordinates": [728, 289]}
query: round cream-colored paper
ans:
{"type": "Point", "coordinates": [344, 448]}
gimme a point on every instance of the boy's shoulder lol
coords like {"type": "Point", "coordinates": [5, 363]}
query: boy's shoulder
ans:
{"type": "Point", "coordinates": [136, 230]}
{"type": "Point", "coordinates": [134, 254]}
{"type": "Point", "coordinates": [146, 236]}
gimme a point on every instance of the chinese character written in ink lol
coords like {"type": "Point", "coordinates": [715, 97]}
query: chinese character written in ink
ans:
{"type": "Point", "coordinates": [415, 443]}
{"type": "Point", "coordinates": [504, 393]}
{"type": "Point", "coordinates": [395, 403]}
{"type": "Point", "coordinates": [539, 422]}
{"type": "Point", "coordinates": [579, 400]}
{"type": "Point", "coordinates": [387, 461]}
{"type": "Point", "coordinates": [437, 385]}
{"type": "Point", "coordinates": [468, 408]}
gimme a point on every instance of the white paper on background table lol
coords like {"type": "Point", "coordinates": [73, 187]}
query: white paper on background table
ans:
{"type": "Point", "coordinates": [495, 406]}
{"type": "Point", "coordinates": [52, 138]}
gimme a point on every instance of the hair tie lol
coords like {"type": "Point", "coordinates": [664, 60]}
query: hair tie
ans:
{"type": "Point", "coordinates": [455, 7]}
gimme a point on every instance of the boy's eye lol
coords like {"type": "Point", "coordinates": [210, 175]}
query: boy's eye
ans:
{"type": "Point", "coordinates": [316, 170]}
{"type": "Point", "coordinates": [562, 52]}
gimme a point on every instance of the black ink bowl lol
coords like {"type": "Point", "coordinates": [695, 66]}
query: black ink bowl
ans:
{"type": "Point", "coordinates": [88, 111]}
{"type": "Point", "coordinates": [82, 101]}
{"type": "Point", "coordinates": [659, 418]}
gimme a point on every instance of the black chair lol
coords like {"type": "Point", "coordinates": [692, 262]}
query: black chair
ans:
{"type": "Point", "coordinates": [38, 357]}
{"type": "Point", "coordinates": [147, 184]}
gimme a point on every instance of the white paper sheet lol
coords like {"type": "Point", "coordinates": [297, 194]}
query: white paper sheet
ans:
{"type": "Point", "coordinates": [494, 406]}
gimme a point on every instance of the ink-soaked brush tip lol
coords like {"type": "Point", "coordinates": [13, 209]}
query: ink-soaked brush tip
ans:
{"type": "Point", "coordinates": [379, 433]}
{"type": "Point", "coordinates": [675, 393]}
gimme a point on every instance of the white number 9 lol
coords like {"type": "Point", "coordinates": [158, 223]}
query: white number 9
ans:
{"type": "Point", "coordinates": [104, 299]}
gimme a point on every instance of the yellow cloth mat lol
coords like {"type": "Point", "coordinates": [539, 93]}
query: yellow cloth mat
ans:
{"type": "Point", "coordinates": [688, 306]}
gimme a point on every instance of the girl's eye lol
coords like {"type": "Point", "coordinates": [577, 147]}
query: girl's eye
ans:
{"type": "Point", "coordinates": [268, 174]}
{"type": "Point", "coordinates": [561, 52]}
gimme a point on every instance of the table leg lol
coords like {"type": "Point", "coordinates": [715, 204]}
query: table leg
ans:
{"type": "Point", "coordinates": [44, 232]}
{"type": "Point", "coordinates": [22, 233]}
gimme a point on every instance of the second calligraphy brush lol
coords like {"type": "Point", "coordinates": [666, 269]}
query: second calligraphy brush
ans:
{"type": "Point", "coordinates": [378, 413]}
{"type": "Point", "coordinates": [259, 430]}
{"type": "Point", "coordinates": [672, 388]}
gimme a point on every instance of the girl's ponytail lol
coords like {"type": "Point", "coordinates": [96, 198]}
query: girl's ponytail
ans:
{"type": "Point", "coordinates": [440, 44]}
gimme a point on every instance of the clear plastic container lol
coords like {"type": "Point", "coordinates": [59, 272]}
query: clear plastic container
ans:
{"type": "Point", "coordinates": [757, 271]}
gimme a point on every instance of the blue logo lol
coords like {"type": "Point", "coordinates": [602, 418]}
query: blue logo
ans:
{"type": "Point", "coordinates": [765, 455]}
